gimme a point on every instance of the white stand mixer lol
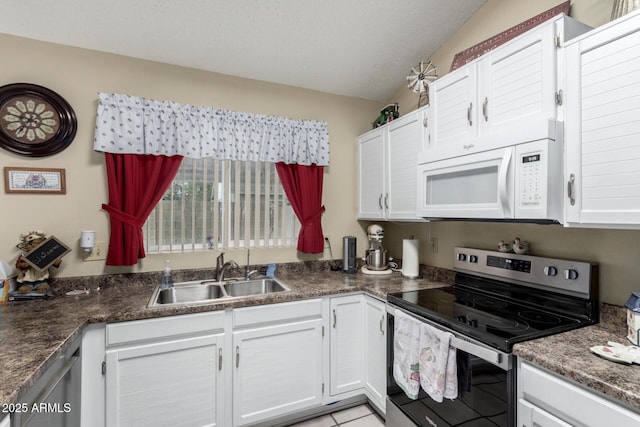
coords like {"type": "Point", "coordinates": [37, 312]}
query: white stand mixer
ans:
{"type": "Point", "coordinates": [376, 258]}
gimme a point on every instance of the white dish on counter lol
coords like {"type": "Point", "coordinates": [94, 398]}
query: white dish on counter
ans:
{"type": "Point", "coordinates": [618, 352]}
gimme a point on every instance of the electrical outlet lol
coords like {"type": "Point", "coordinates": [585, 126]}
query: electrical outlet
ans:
{"type": "Point", "coordinates": [327, 241]}
{"type": "Point", "coordinates": [434, 245]}
{"type": "Point", "coordinates": [99, 252]}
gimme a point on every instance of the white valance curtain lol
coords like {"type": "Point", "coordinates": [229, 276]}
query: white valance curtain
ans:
{"type": "Point", "coordinates": [132, 125]}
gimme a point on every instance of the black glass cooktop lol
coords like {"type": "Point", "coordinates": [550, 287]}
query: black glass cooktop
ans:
{"type": "Point", "coordinates": [499, 321]}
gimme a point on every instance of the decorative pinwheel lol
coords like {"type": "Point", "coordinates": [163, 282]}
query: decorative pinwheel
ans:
{"type": "Point", "coordinates": [419, 78]}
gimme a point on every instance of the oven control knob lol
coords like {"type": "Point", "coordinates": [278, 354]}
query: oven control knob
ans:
{"type": "Point", "coordinates": [462, 257]}
{"type": "Point", "coordinates": [550, 270]}
{"type": "Point", "coordinates": [570, 274]}
{"type": "Point", "coordinates": [473, 259]}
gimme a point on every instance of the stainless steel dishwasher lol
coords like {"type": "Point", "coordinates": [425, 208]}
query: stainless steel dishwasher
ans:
{"type": "Point", "coordinates": [54, 400]}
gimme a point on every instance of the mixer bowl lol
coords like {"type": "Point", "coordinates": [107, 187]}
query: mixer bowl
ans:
{"type": "Point", "coordinates": [377, 259]}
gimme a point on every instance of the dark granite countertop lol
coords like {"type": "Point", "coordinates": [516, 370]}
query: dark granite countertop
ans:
{"type": "Point", "coordinates": [33, 333]}
{"type": "Point", "coordinates": [568, 354]}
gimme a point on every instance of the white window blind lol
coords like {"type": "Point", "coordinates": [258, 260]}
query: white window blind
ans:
{"type": "Point", "coordinates": [222, 204]}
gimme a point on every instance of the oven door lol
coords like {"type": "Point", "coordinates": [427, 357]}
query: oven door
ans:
{"type": "Point", "coordinates": [486, 388]}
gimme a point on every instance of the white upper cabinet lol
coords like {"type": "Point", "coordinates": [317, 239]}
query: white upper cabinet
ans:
{"type": "Point", "coordinates": [387, 161]}
{"type": "Point", "coordinates": [454, 98]}
{"type": "Point", "coordinates": [513, 85]}
{"type": "Point", "coordinates": [371, 175]}
{"type": "Point", "coordinates": [602, 129]}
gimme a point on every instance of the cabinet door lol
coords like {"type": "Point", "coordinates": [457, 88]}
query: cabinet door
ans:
{"type": "Point", "coordinates": [177, 382]}
{"type": "Point", "coordinates": [404, 142]}
{"type": "Point", "coordinates": [517, 82]}
{"type": "Point", "coordinates": [531, 416]}
{"type": "Point", "coordinates": [453, 100]}
{"type": "Point", "coordinates": [347, 344]}
{"type": "Point", "coordinates": [375, 351]}
{"type": "Point", "coordinates": [277, 370]}
{"type": "Point", "coordinates": [371, 173]}
{"type": "Point", "coordinates": [602, 127]}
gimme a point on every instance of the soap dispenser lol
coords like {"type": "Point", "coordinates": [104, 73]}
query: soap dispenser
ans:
{"type": "Point", "coordinates": [167, 281]}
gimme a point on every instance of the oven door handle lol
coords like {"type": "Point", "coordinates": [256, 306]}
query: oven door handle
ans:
{"type": "Point", "coordinates": [484, 353]}
{"type": "Point", "coordinates": [460, 343]}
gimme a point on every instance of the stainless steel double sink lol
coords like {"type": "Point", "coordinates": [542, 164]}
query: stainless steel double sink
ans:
{"type": "Point", "coordinates": [203, 291]}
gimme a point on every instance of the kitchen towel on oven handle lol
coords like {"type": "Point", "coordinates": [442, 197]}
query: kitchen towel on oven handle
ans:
{"type": "Point", "coordinates": [406, 353]}
{"type": "Point", "coordinates": [438, 366]}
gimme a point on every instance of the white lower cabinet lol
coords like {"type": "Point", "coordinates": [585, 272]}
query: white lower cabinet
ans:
{"type": "Point", "coordinates": [166, 371]}
{"type": "Point", "coordinates": [347, 344]}
{"type": "Point", "coordinates": [548, 400]}
{"type": "Point", "coordinates": [5, 421]}
{"type": "Point", "coordinates": [358, 327]}
{"type": "Point", "coordinates": [277, 360]}
{"type": "Point", "coordinates": [237, 367]}
{"type": "Point", "coordinates": [375, 351]}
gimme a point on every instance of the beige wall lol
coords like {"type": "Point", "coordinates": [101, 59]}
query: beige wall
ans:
{"type": "Point", "coordinates": [78, 75]}
{"type": "Point", "coordinates": [616, 251]}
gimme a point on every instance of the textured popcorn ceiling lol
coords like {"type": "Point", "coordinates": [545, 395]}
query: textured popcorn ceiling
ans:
{"type": "Point", "coordinates": [360, 48]}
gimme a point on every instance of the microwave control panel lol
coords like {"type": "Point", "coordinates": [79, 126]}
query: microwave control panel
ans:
{"type": "Point", "coordinates": [538, 176]}
{"type": "Point", "coordinates": [531, 179]}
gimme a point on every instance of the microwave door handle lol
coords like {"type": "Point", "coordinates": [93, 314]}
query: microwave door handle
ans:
{"type": "Point", "coordinates": [503, 184]}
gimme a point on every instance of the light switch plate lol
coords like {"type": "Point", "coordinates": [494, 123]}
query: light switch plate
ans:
{"type": "Point", "coordinates": [99, 252]}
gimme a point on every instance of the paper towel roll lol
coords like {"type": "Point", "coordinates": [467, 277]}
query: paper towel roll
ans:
{"type": "Point", "coordinates": [410, 261]}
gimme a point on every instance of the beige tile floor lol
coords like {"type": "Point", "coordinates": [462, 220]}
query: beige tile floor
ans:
{"type": "Point", "coordinates": [358, 416]}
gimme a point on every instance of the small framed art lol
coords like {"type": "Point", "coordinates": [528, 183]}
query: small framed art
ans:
{"type": "Point", "coordinates": [34, 180]}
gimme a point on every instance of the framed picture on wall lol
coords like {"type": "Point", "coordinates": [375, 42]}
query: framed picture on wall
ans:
{"type": "Point", "coordinates": [34, 180]}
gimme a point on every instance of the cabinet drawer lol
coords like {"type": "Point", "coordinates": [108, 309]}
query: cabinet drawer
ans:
{"type": "Point", "coordinates": [277, 312]}
{"type": "Point", "coordinates": [571, 402]}
{"type": "Point", "coordinates": [163, 327]}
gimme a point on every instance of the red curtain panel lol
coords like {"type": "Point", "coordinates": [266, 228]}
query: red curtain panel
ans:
{"type": "Point", "coordinates": [136, 184]}
{"type": "Point", "coordinates": [303, 187]}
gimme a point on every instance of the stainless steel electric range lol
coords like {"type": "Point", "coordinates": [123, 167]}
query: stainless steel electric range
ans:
{"type": "Point", "coordinates": [498, 299]}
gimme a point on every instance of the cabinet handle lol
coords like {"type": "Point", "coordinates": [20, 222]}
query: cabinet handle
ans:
{"type": "Point", "coordinates": [380, 201]}
{"type": "Point", "coordinates": [469, 110]}
{"type": "Point", "coordinates": [335, 319]}
{"type": "Point", "coordinates": [382, 323]}
{"type": "Point", "coordinates": [485, 112]}
{"type": "Point", "coordinates": [220, 359]}
{"type": "Point", "coordinates": [237, 356]}
{"type": "Point", "coordinates": [425, 122]}
{"type": "Point", "coordinates": [386, 201]}
{"type": "Point", "coordinates": [570, 189]}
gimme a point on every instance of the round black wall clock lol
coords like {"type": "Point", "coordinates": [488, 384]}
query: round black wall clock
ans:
{"type": "Point", "coordinates": [35, 121]}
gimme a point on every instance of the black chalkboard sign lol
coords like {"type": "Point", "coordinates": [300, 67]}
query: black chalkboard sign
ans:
{"type": "Point", "coordinates": [46, 253]}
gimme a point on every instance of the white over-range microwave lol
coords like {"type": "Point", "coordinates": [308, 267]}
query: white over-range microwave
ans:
{"type": "Point", "coordinates": [501, 180]}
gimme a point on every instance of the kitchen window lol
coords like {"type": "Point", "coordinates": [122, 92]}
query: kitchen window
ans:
{"type": "Point", "coordinates": [220, 204]}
